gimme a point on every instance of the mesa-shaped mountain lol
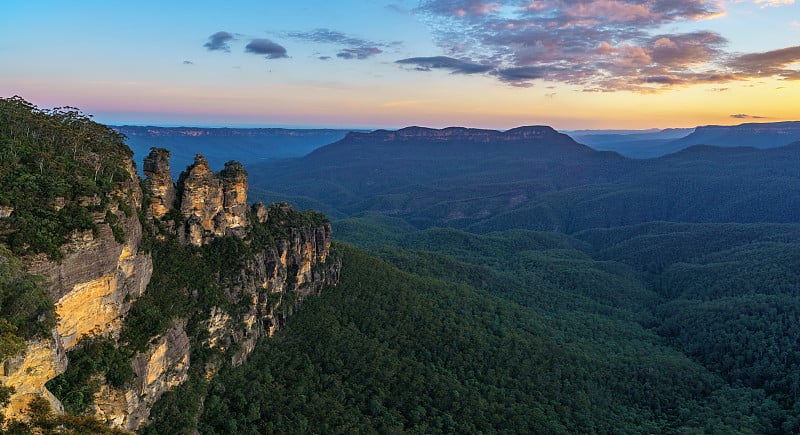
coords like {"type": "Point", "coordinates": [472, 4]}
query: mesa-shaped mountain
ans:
{"type": "Point", "coordinates": [532, 177]}
{"type": "Point", "coordinates": [755, 135]}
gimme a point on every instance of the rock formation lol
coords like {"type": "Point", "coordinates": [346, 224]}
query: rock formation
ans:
{"type": "Point", "coordinates": [212, 205]}
{"type": "Point", "coordinates": [158, 182]}
{"type": "Point", "coordinates": [98, 279]}
{"type": "Point", "coordinates": [93, 286]}
{"type": "Point", "coordinates": [233, 218]}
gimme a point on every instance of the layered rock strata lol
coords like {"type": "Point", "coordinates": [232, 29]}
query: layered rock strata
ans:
{"type": "Point", "coordinates": [93, 285]}
{"type": "Point", "coordinates": [99, 278]}
{"type": "Point", "coordinates": [159, 182]}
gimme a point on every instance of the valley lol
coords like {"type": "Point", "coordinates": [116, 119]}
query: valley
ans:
{"type": "Point", "coordinates": [460, 280]}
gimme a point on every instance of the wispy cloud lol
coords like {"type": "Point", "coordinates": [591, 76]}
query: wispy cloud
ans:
{"type": "Point", "coordinates": [599, 45]}
{"type": "Point", "coordinates": [455, 66]}
{"type": "Point", "coordinates": [359, 53]}
{"type": "Point", "coordinates": [269, 49]}
{"type": "Point", "coordinates": [351, 47]}
{"type": "Point", "coordinates": [774, 3]}
{"type": "Point", "coordinates": [219, 41]}
{"type": "Point", "coordinates": [745, 116]}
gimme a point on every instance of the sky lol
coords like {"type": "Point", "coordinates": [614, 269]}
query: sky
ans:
{"type": "Point", "coordinates": [571, 64]}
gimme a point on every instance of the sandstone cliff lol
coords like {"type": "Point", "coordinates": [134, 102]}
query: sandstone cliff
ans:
{"type": "Point", "coordinates": [102, 274]}
{"type": "Point", "coordinates": [93, 286]}
{"type": "Point", "coordinates": [212, 205]}
{"type": "Point", "coordinates": [159, 182]}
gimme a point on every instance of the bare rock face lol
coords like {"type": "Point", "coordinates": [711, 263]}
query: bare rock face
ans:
{"type": "Point", "coordinates": [27, 373]}
{"type": "Point", "coordinates": [212, 205]}
{"type": "Point", "coordinates": [277, 280]}
{"type": "Point", "coordinates": [261, 212]}
{"type": "Point", "coordinates": [201, 200]}
{"type": "Point", "coordinates": [233, 219]}
{"type": "Point", "coordinates": [94, 285]}
{"type": "Point", "coordinates": [100, 277]}
{"type": "Point", "coordinates": [159, 182]}
{"type": "Point", "coordinates": [164, 365]}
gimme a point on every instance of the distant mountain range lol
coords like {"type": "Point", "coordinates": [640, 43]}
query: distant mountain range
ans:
{"type": "Point", "coordinates": [255, 145]}
{"type": "Point", "coordinates": [657, 143]}
{"type": "Point", "coordinates": [533, 178]}
{"type": "Point", "coordinates": [219, 145]}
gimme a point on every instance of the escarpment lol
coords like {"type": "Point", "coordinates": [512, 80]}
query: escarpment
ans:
{"type": "Point", "coordinates": [179, 279]}
{"type": "Point", "coordinates": [92, 285]}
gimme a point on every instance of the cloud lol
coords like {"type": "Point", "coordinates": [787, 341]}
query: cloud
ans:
{"type": "Point", "coordinates": [358, 53]}
{"type": "Point", "coordinates": [455, 66]}
{"type": "Point", "coordinates": [188, 62]}
{"type": "Point", "coordinates": [219, 41]}
{"type": "Point", "coordinates": [324, 58]}
{"type": "Point", "coordinates": [461, 9]}
{"type": "Point", "coordinates": [744, 116]}
{"type": "Point", "coordinates": [520, 76]}
{"type": "Point", "coordinates": [774, 3]}
{"type": "Point", "coordinates": [598, 45]}
{"type": "Point", "coordinates": [266, 47]}
{"type": "Point", "coordinates": [768, 64]}
{"type": "Point", "coordinates": [351, 47]}
{"type": "Point", "coordinates": [328, 36]}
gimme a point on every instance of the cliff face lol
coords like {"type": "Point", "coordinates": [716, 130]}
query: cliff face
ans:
{"type": "Point", "coordinates": [100, 277]}
{"type": "Point", "coordinates": [212, 205]}
{"type": "Point", "coordinates": [93, 286]}
{"type": "Point", "coordinates": [158, 182]}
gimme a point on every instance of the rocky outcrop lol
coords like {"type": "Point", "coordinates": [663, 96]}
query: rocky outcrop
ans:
{"type": "Point", "coordinates": [278, 280]}
{"type": "Point", "coordinates": [100, 276]}
{"type": "Point", "coordinates": [164, 365]}
{"type": "Point", "coordinates": [158, 182]}
{"type": "Point", "coordinates": [27, 374]}
{"type": "Point", "coordinates": [212, 205]}
{"type": "Point", "coordinates": [233, 218]}
{"type": "Point", "coordinates": [93, 285]}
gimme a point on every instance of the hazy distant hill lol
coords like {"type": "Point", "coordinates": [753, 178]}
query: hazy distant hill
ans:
{"type": "Point", "coordinates": [534, 178]}
{"type": "Point", "coordinates": [219, 145]}
{"type": "Point", "coordinates": [420, 171]}
{"type": "Point", "coordinates": [756, 135]}
{"type": "Point", "coordinates": [638, 144]}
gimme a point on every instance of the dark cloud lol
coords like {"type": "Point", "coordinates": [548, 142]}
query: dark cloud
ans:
{"type": "Point", "coordinates": [521, 75]}
{"type": "Point", "coordinates": [744, 116]}
{"type": "Point", "coordinates": [599, 45]}
{"type": "Point", "coordinates": [456, 66]}
{"type": "Point", "coordinates": [219, 41]}
{"type": "Point", "coordinates": [324, 58]}
{"type": "Point", "coordinates": [358, 53]}
{"type": "Point", "coordinates": [188, 62]}
{"type": "Point", "coordinates": [266, 47]}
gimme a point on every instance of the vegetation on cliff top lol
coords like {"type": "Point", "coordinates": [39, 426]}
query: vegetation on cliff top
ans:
{"type": "Point", "coordinates": [51, 162]}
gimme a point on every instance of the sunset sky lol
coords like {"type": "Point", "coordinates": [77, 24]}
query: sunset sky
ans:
{"type": "Point", "coordinates": [368, 64]}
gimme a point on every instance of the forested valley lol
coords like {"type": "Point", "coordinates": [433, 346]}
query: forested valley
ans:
{"type": "Point", "coordinates": [491, 282]}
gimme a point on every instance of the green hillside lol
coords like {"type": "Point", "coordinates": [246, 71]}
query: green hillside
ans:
{"type": "Point", "coordinates": [391, 351]}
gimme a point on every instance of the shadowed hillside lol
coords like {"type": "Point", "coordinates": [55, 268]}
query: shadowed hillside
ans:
{"type": "Point", "coordinates": [534, 178]}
